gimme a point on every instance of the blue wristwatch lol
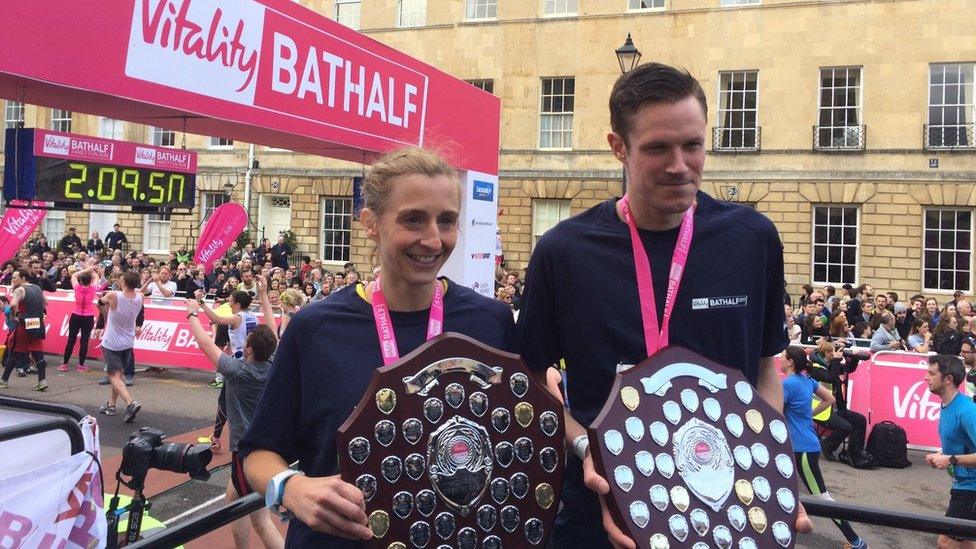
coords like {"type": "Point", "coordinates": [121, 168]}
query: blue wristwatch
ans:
{"type": "Point", "coordinates": [276, 492]}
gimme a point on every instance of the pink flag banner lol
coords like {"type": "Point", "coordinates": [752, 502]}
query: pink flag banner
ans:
{"type": "Point", "coordinates": [222, 229]}
{"type": "Point", "coordinates": [16, 226]}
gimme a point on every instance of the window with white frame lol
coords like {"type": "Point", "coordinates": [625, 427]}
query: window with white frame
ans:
{"type": "Point", "coordinates": [220, 143]}
{"type": "Point", "coordinates": [835, 244]}
{"type": "Point", "coordinates": [645, 4]}
{"type": "Point", "coordinates": [210, 201]}
{"type": "Point", "coordinates": [155, 237]}
{"type": "Point", "coordinates": [336, 228]}
{"type": "Point", "coordinates": [481, 9]}
{"type": "Point", "coordinates": [839, 120]}
{"type": "Point", "coordinates": [556, 113]}
{"type": "Point", "coordinates": [487, 85]}
{"type": "Point", "coordinates": [559, 7]}
{"type": "Point", "coordinates": [729, 3]}
{"type": "Point", "coordinates": [60, 120]}
{"type": "Point", "coordinates": [952, 110]}
{"type": "Point", "coordinates": [738, 99]}
{"type": "Point", "coordinates": [162, 137]}
{"type": "Point", "coordinates": [53, 226]}
{"type": "Point", "coordinates": [347, 12]}
{"type": "Point", "coordinates": [947, 258]}
{"type": "Point", "coordinates": [546, 213]}
{"type": "Point", "coordinates": [411, 13]}
{"type": "Point", "coordinates": [13, 114]}
{"type": "Point", "coordinates": [110, 128]}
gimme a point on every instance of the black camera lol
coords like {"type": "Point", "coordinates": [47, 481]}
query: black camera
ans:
{"type": "Point", "coordinates": [146, 450]}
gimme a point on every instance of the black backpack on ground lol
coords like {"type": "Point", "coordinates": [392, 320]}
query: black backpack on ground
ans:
{"type": "Point", "coordinates": [888, 443]}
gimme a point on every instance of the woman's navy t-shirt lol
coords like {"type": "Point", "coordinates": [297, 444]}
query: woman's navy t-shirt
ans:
{"type": "Point", "coordinates": [323, 365]}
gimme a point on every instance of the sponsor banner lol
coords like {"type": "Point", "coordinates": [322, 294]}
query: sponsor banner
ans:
{"type": "Point", "coordinates": [165, 340]}
{"type": "Point", "coordinates": [262, 71]}
{"type": "Point", "coordinates": [472, 263]}
{"type": "Point", "coordinates": [227, 221]}
{"type": "Point", "coordinates": [58, 505]}
{"type": "Point", "coordinates": [17, 224]}
{"type": "Point", "coordinates": [109, 151]}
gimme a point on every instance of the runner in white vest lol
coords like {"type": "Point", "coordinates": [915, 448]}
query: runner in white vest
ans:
{"type": "Point", "coordinates": [118, 342]}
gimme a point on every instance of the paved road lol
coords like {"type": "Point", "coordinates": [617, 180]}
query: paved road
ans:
{"type": "Point", "coordinates": [180, 401]}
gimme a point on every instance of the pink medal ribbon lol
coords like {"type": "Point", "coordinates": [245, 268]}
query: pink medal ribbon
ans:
{"type": "Point", "coordinates": [384, 324]}
{"type": "Point", "coordinates": [654, 337]}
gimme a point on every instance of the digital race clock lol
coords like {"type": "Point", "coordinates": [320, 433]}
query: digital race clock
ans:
{"type": "Point", "coordinates": [75, 170]}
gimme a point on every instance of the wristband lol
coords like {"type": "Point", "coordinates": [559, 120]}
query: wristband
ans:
{"type": "Point", "coordinates": [188, 315]}
{"type": "Point", "coordinates": [580, 446]}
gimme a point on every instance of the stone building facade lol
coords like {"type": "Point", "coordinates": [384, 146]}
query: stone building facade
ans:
{"type": "Point", "coordinates": [849, 123]}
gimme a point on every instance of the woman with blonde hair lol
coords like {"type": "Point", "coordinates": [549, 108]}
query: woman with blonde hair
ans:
{"type": "Point", "coordinates": [325, 362]}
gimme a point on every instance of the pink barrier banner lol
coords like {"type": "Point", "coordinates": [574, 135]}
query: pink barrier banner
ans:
{"type": "Point", "coordinates": [16, 226]}
{"type": "Point", "coordinates": [222, 228]}
{"type": "Point", "coordinates": [165, 340]}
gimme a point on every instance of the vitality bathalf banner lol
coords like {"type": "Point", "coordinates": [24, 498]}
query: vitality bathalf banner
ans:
{"type": "Point", "coordinates": [16, 226]}
{"type": "Point", "coordinates": [222, 229]}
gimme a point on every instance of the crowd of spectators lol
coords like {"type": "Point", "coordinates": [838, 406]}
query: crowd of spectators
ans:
{"type": "Point", "coordinates": [921, 324]}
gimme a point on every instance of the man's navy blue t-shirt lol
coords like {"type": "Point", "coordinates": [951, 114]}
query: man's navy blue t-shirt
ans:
{"type": "Point", "coordinates": [580, 303]}
{"type": "Point", "coordinates": [324, 364]}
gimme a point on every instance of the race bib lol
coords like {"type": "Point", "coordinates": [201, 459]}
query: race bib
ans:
{"type": "Point", "coordinates": [32, 323]}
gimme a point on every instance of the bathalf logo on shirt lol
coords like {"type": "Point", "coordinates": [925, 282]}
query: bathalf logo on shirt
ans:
{"type": "Point", "coordinates": [484, 190]}
{"type": "Point", "coordinates": [727, 302]}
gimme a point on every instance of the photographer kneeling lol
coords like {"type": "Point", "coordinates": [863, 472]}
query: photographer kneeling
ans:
{"type": "Point", "coordinates": [830, 365]}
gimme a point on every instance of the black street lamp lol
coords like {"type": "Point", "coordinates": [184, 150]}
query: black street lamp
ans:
{"type": "Point", "coordinates": [628, 56]}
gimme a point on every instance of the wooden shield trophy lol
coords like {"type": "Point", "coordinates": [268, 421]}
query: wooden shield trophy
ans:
{"type": "Point", "coordinates": [456, 444]}
{"type": "Point", "coordinates": [695, 457]}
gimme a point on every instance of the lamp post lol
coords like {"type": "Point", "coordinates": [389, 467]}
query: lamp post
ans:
{"type": "Point", "coordinates": [228, 188]}
{"type": "Point", "coordinates": [628, 56]}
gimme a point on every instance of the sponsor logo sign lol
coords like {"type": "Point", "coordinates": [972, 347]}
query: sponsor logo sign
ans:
{"type": "Point", "coordinates": [484, 190]}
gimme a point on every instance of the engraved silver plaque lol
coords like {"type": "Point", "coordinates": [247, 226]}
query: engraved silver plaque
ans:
{"type": "Point", "coordinates": [478, 402]}
{"type": "Point", "coordinates": [413, 429]}
{"type": "Point", "coordinates": [454, 395]}
{"type": "Point", "coordinates": [425, 502]}
{"type": "Point", "coordinates": [737, 517]}
{"type": "Point", "coordinates": [678, 525]}
{"type": "Point", "coordinates": [433, 409]}
{"type": "Point", "coordinates": [644, 462]}
{"type": "Point", "coordinates": [748, 543]}
{"type": "Point", "coordinates": [760, 454]}
{"type": "Point", "coordinates": [659, 497]}
{"type": "Point", "coordinates": [734, 424]}
{"type": "Point", "coordinates": [786, 499]}
{"type": "Point", "coordinates": [743, 457]}
{"type": "Point", "coordinates": [689, 399]}
{"type": "Point", "coordinates": [519, 383]}
{"type": "Point", "coordinates": [392, 468]}
{"type": "Point", "coordinates": [699, 521]}
{"type": "Point", "coordinates": [385, 432]}
{"type": "Point", "coordinates": [403, 504]}
{"type": "Point", "coordinates": [492, 542]}
{"type": "Point", "coordinates": [640, 514]}
{"type": "Point", "coordinates": [444, 524]}
{"type": "Point", "coordinates": [486, 517]}
{"type": "Point", "coordinates": [533, 531]}
{"type": "Point", "coordinates": [704, 461]}
{"type": "Point", "coordinates": [519, 485]}
{"type": "Point", "coordinates": [499, 490]}
{"type": "Point", "coordinates": [509, 518]}
{"type": "Point", "coordinates": [548, 459]}
{"type": "Point", "coordinates": [722, 537]}
{"type": "Point", "coordinates": [784, 464]}
{"type": "Point", "coordinates": [523, 449]}
{"type": "Point", "coordinates": [700, 545]}
{"type": "Point", "coordinates": [420, 534]}
{"type": "Point", "coordinates": [359, 449]}
{"type": "Point", "coordinates": [501, 419]}
{"type": "Point", "coordinates": [467, 538]}
{"type": "Point", "coordinates": [459, 463]}
{"type": "Point", "coordinates": [672, 412]}
{"type": "Point", "coordinates": [414, 466]}
{"type": "Point", "coordinates": [660, 433]}
{"type": "Point", "coordinates": [712, 408]}
{"type": "Point", "coordinates": [624, 477]}
{"type": "Point", "coordinates": [366, 485]}
{"type": "Point", "coordinates": [614, 441]}
{"type": "Point", "coordinates": [744, 391]}
{"type": "Point", "coordinates": [665, 464]}
{"type": "Point", "coordinates": [761, 488]}
{"type": "Point", "coordinates": [548, 422]}
{"type": "Point", "coordinates": [781, 533]}
{"type": "Point", "coordinates": [504, 453]}
{"type": "Point", "coordinates": [635, 428]}
{"type": "Point", "coordinates": [778, 429]}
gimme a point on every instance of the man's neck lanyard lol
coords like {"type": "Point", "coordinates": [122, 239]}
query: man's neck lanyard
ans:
{"type": "Point", "coordinates": [656, 337]}
{"type": "Point", "coordinates": [384, 324]}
